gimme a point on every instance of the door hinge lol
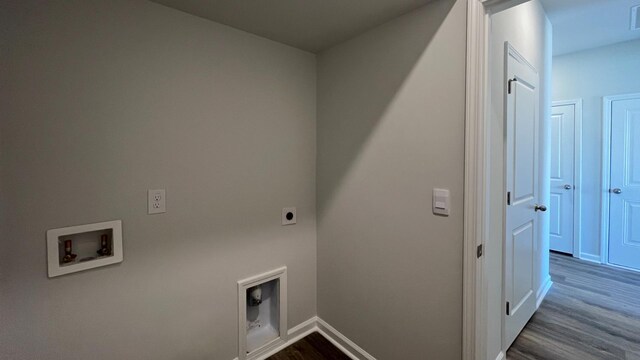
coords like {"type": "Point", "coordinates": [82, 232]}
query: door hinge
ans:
{"type": "Point", "coordinates": [508, 197]}
{"type": "Point", "coordinates": [509, 84]}
{"type": "Point", "coordinates": [508, 310]}
{"type": "Point", "coordinates": [479, 251]}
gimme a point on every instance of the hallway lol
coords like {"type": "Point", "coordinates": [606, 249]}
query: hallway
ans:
{"type": "Point", "coordinates": [591, 312]}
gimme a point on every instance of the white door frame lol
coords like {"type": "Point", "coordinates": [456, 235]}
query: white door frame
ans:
{"type": "Point", "coordinates": [477, 180]}
{"type": "Point", "coordinates": [607, 102]}
{"type": "Point", "coordinates": [577, 172]}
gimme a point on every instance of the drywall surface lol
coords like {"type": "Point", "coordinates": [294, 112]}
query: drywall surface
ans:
{"type": "Point", "coordinates": [590, 75]}
{"type": "Point", "coordinates": [390, 129]}
{"type": "Point", "coordinates": [528, 30]}
{"type": "Point", "coordinates": [102, 100]}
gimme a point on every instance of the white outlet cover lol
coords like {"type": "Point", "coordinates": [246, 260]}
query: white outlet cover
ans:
{"type": "Point", "coordinates": [289, 216]}
{"type": "Point", "coordinates": [157, 201]}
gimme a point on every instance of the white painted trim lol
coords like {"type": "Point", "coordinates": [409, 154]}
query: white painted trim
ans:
{"type": "Point", "coordinates": [294, 334]}
{"type": "Point", "coordinates": [243, 285]}
{"type": "Point", "coordinates": [566, 102]}
{"type": "Point", "coordinates": [605, 172]}
{"type": "Point", "coordinates": [577, 178]}
{"type": "Point", "coordinates": [623, 267]}
{"type": "Point", "coordinates": [500, 356]}
{"type": "Point", "coordinates": [343, 343]}
{"type": "Point", "coordinates": [607, 102]}
{"type": "Point", "coordinates": [510, 50]}
{"type": "Point", "coordinates": [304, 327]}
{"type": "Point", "coordinates": [577, 173]}
{"type": "Point", "coordinates": [477, 170]}
{"type": "Point", "coordinates": [476, 188]}
{"type": "Point", "coordinates": [543, 291]}
{"type": "Point", "coordinates": [315, 324]}
{"type": "Point", "coordinates": [495, 6]}
{"type": "Point", "coordinates": [337, 344]}
{"type": "Point", "coordinates": [591, 258]}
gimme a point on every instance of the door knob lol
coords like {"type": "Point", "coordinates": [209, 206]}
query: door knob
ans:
{"type": "Point", "coordinates": [616, 191]}
{"type": "Point", "coordinates": [568, 187]}
{"type": "Point", "coordinates": [540, 208]}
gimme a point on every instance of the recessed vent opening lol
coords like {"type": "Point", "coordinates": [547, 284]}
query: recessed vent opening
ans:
{"type": "Point", "coordinates": [262, 314]}
{"type": "Point", "coordinates": [635, 17]}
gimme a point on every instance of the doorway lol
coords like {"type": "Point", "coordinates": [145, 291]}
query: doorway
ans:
{"type": "Point", "coordinates": [594, 202]}
{"type": "Point", "coordinates": [620, 237]}
{"type": "Point", "coordinates": [484, 165]}
{"type": "Point", "coordinates": [565, 176]}
{"type": "Point", "coordinates": [621, 181]}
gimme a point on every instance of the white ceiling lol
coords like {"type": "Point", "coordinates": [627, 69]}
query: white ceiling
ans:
{"type": "Point", "coordinates": [311, 25]}
{"type": "Point", "coordinates": [585, 24]}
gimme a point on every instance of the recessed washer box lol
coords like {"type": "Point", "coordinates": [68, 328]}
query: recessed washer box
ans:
{"type": "Point", "coordinates": [77, 248]}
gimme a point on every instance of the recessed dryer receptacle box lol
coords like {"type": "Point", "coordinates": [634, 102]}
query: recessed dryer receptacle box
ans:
{"type": "Point", "coordinates": [289, 216]}
{"type": "Point", "coordinates": [77, 248]}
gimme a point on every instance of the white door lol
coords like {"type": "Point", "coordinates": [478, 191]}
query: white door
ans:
{"type": "Point", "coordinates": [624, 217]}
{"type": "Point", "coordinates": [521, 233]}
{"type": "Point", "coordinates": [562, 175]}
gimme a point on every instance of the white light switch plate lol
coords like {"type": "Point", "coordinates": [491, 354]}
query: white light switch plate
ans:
{"type": "Point", "coordinates": [157, 201]}
{"type": "Point", "coordinates": [441, 202]}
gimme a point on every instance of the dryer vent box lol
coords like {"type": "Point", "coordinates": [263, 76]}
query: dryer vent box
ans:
{"type": "Point", "coordinates": [262, 313]}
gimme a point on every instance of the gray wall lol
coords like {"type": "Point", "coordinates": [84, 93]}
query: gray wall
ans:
{"type": "Point", "coordinates": [390, 129]}
{"type": "Point", "coordinates": [590, 75]}
{"type": "Point", "coordinates": [527, 28]}
{"type": "Point", "coordinates": [102, 100]}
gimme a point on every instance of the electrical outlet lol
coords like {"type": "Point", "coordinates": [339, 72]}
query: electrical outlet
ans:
{"type": "Point", "coordinates": [289, 216]}
{"type": "Point", "coordinates": [157, 201]}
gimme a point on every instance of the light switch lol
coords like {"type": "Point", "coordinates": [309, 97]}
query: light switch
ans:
{"type": "Point", "coordinates": [441, 202]}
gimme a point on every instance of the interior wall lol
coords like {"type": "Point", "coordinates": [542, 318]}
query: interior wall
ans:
{"type": "Point", "coordinates": [102, 100]}
{"type": "Point", "coordinates": [590, 75]}
{"type": "Point", "coordinates": [390, 129]}
{"type": "Point", "coordinates": [527, 28]}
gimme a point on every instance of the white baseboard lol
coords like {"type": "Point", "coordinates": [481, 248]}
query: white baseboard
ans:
{"type": "Point", "coordinates": [305, 328]}
{"type": "Point", "coordinates": [591, 258]}
{"type": "Point", "coordinates": [501, 356]}
{"type": "Point", "coordinates": [294, 334]}
{"type": "Point", "coordinates": [315, 324]}
{"type": "Point", "coordinates": [544, 290]}
{"type": "Point", "coordinates": [342, 342]}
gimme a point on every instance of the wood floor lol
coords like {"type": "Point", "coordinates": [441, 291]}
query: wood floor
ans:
{"type": "Point", "coordinates": [592, 312]}
{"type": "Point", "coordinates": [312, 347]}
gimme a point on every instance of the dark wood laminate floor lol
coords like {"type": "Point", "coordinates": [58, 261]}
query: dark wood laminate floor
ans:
{"type": "Point", "coordinates": [312, 347]}
{"type": "Point", "coordinates": [591, 312]}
